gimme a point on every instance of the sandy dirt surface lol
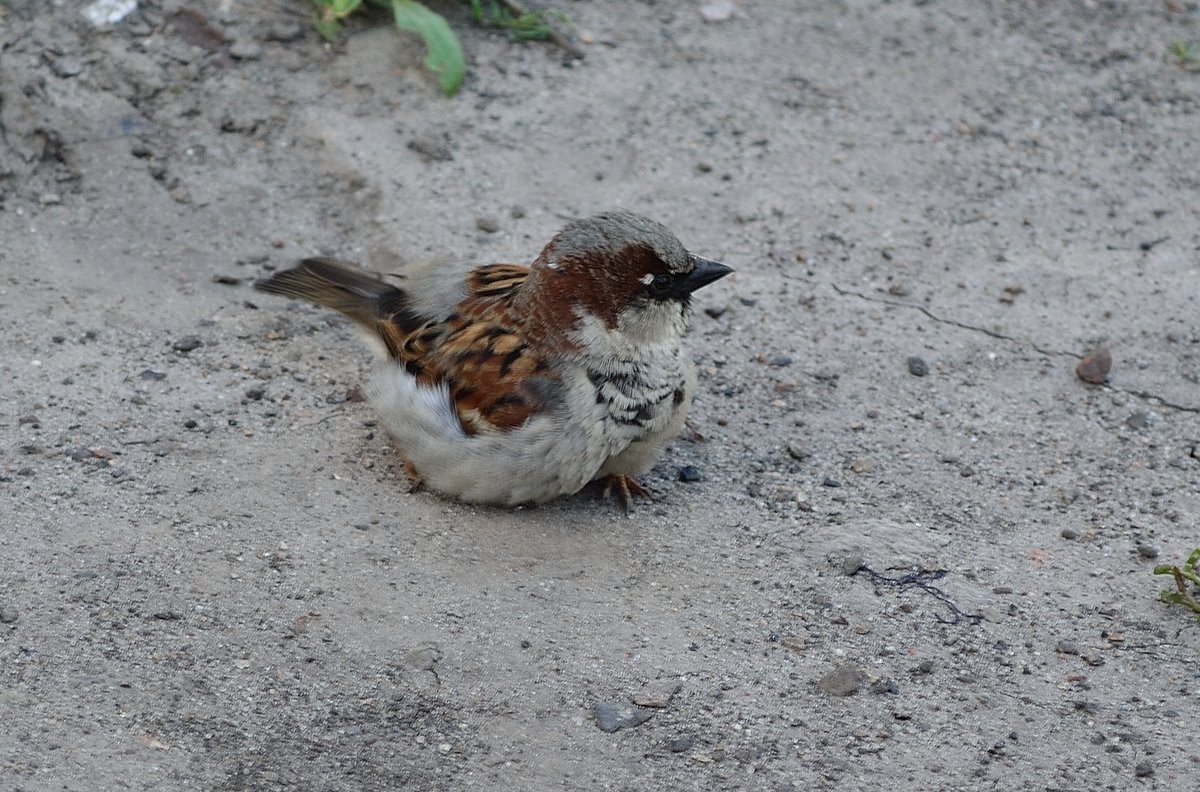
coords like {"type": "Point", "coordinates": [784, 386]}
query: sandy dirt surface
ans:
{"type": "Point", "coordinates": [913, 550]}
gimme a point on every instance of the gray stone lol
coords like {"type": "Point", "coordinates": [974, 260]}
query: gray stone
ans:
{"type": "Point", "coordinates": [246, 49]}
{"type": "Point", "coordinates": [187, 344]}
{"type": "Point", "coordinates": [844, 680]}
{"type": "Point", "coordinates": [614, 715]}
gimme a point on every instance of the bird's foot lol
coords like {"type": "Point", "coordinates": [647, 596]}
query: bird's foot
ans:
{"type": "Point", "coordinates": [626, 488]}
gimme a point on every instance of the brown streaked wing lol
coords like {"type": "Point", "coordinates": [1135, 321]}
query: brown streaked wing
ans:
{"type": "Point", "coordinates": [497, 380]}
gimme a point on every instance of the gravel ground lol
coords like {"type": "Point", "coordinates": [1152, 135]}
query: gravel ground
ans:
{"type": "Point", "coordinates": [906, 546]}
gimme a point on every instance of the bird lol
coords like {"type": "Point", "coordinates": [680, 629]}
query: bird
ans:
{"type": "Point", "coordinates": [506, 384]}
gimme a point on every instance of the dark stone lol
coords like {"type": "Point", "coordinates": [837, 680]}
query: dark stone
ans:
{"type": "Point", "coordinates": [1095, 366]}
{"type": "Point", "coordinates": [690, 474]}
{"type": "Point", "coordinates": [187, 344]}
{"type": "Point", "coordinates": [612, 716]}
{"type": "Point", "coordinates": [683, 742]}
{"type": "Point", "coordinates": [917, 366]}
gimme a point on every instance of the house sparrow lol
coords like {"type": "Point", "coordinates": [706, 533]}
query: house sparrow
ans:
{"type": "Point", "coordinates": [507, 384]}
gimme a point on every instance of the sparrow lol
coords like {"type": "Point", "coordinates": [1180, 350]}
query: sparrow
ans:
{"type": "Point", "coordinates": [509, 384]}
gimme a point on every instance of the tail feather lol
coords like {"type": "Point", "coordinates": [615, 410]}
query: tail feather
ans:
{"type": "Point", "coordinates": [360, 296]}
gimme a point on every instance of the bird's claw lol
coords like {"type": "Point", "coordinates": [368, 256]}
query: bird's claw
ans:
{"type": "Point", "coordinates": [627, 487]}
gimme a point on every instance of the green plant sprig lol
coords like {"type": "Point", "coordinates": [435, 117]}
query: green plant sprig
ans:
{"type": "Point", "coordinates": [1185, 53]}
{"type": "Point", "coordinates": [445, 57]}
{"type": "Point", "coordinates": [1182, 575]}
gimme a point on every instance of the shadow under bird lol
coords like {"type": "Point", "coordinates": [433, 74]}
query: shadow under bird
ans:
{"type": "Point", "coordinates": [508, 384]}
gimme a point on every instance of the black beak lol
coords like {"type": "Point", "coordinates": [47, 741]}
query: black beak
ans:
{"type": "Point", "coordinates": [705, 272]}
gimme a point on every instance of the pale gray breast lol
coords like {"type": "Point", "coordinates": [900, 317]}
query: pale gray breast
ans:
{"type": "Point", "coordinates": [640, 399]}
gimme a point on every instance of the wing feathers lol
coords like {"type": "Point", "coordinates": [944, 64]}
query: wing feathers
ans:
{"type": "Point", "coordinates": [361, 296]}
{"type": "Point", "coordinates": [494, 378]}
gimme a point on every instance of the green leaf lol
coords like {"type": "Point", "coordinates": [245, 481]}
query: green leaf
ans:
{"type": "Point", "coordinates": [328, 16]}
{"type": "Point", "coordinates": [445, 56]}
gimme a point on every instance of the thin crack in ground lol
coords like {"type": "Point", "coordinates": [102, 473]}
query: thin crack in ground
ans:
{"type": "Point", "coordinates": [1137, 394]}
{"type": "Point", "coordinates": [919, 579]}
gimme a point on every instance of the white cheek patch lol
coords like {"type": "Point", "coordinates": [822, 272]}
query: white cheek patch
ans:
{"type": "Point", "coordinates": [648, 278]}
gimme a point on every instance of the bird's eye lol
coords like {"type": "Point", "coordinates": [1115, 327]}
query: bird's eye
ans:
{"type": "Point", "coordinates": [661, 284]}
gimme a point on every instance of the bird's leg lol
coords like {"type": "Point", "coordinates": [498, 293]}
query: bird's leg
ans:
{"type": "Point", "coordinates": [414, 477]}
{"type": "Point", "coordinates": [626, 487]}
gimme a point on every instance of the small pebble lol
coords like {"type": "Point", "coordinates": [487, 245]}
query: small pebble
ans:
{"type": "Point", "coordinates": [255, 393]}
{"type": "Point", "coordinates": [797, 451]}
{"type": "Point", "coordinates": [8, 614]}
{"type": "Point", "coordinates": [1067, 647]}
{"type": "Point", "coordinates": [656, 696]}
{"type": "Point", "coordinates": [1148, 550]}
{"type": "Point", "coordinates": [246, 49]}
{"type": "Point", "coordinates": [682, 743]}
{"type": "Point", "coordinates": [1139, 420]}
{"type": "Point", "coordinates": [431, 148]}
{"type": "Point", "coordinates": [285, 31]}
{"type": "Point", "coordinates": [1144, 770]}
{"type": "Point", "coordinates": [1095, 366]}
{"type": "Point", "coordinates": [779, 360]}
{"type": "Point", "coordinates": [67, 66]}
{"type": "Point", "coordinates": [690, 474]}
{"type": "Point", "coordinates": [614, 715]}
{"type": "Point", "coordinates": [831, 482]}
{"type": "Point", "coordinates": [845, 680]}
{"type": "Point", "coordinates": [991, 614]}
{"type": "Point", "coordinates": [917, 366]}
{"type": "Point", "coordinates": [487, 224]}
{"type": "Point", "coordinates": [715, 311]}
{"type": "Point", "coordinates": [423, 658]}
{"type": "Point", "coordinates": [1069, 533]}
{"type": "Point", "coordinates": [187, 344]}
